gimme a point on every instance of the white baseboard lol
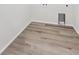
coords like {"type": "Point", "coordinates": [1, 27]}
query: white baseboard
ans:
{"type": "Point", "coordinates": [14, 37]}
{"type": "Point", "coordinates": [26, 26]}
{"type": "Point", "coordinates": [57, 24]}
{"type": "Point", "coordinates": [76, 30]}
{"type": "Point", "coordinates": [41, 21]}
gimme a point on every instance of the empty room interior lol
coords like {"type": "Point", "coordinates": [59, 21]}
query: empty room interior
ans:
{"type": "Point", "coordinates": [39, 29]}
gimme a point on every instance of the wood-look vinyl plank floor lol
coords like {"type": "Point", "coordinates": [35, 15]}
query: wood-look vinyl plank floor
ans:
{"type": "Point", "coordinates": [45, 39]}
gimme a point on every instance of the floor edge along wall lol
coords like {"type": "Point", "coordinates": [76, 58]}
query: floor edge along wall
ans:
{"type": "Point", "coordinates": [15, 37]}
{"type": "Point", "coordinates": [26, 27]}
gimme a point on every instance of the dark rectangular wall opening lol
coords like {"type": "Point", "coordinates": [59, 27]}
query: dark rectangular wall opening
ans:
{"type": "Point", "coordinates": [61, 18]}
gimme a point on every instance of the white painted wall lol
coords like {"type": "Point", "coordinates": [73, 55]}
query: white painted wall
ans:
{"type": "Point", "coordinates": [50, 12]}
{"type": "Point", "coordinates": [13, 19]}
{"type": "Point", "coordinates": [76, 17]}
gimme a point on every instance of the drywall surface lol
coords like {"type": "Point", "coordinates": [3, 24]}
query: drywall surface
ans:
{"type": "Point", "coordinates": [13, 19]}
{"type": "Point", "coordinates": [50, 12]}
{"type": "Point", "coordinates": [76, 17]}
